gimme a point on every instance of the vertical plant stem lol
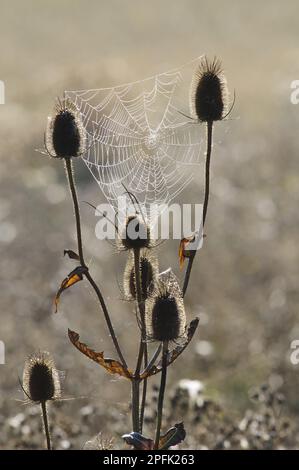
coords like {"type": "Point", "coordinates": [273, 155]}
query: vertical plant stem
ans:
{"type": "Point", "coordinates": [135, 404]}
{"type": "Point", "coordinates": [141, 309]}
{"type": "Point", "coordinates": [207, 173]}
{"type": "Point", "coordinates": [46, 424]}
{"type": "Point", "coordinates": [143, 399]}
{"type": "Point", "coordinates": [143, 353]}
{"type": "Point", "coordinates": [153, 359]}
{"type": "Point", "coordinates": [161, 393]}
{"type": "Point", "coordinates": [206, 201]}
{"type": "Point", "coordinates": [188, 273]}
{"type": "Point", "coordinates": [71, 181]}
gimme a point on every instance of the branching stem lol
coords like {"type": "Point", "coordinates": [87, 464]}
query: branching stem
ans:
{"type": "Point", "coordinates": [71, 181]}
{"type": "Point", "coordinates": [143, 353]}
{"type": "Point", "coordinates": [161, 393]}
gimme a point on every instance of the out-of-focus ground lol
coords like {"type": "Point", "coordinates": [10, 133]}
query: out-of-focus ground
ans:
{"type": "Point", "coordinates": [245, 280]}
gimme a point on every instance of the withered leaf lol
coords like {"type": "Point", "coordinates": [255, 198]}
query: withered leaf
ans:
{"type": "Point", "coordinates": [138, 441]}
{"type": "Point", "coordinates": [189, 245]}
{"type": "Point", "coordinates": [173, 437]}
{"type": "Point", "coordinates": [112, 366]}
{"type": "Point", "coordinates": [75, 276]}
{"type": "Point", "coordinates": [176, 352]}
{"type": "Point", "coordinates": [183, 252]}
{"type": "Point", "coordinates": [71, 254]}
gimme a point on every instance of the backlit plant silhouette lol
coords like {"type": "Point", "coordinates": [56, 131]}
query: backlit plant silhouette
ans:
{"type": "Point", "coordinates": [41, 384]}
{"type": "Point", "coordinates": [159, 299]}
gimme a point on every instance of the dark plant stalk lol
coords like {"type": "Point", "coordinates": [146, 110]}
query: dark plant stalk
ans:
{"type": "Point", "coordinates": [143, 399]}
{"type": "Point", "coordinates": [70, 175]}
{"type": "Point", "coordinates": [153, 360]}
{"type": "Point", "coordinates": [206, 201]}
{"type": "Point", "coordinates": [161, 393]}
{"type": "Point", "coordinates": [71, 181]}
{"type": "Point", "coordinates": [207, 173]}
{"type": "Point", "coordinates": [46, 424]}
{"type": "Point", "coordinates": [135, 404]}
{"type": "Point", "coordinates": [143, 353]}
{"type": "Point", "coordinates": [141, 310]}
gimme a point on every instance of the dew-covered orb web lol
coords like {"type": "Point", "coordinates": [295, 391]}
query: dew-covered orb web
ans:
{"type": "Point", "coordinates": [141, 137]}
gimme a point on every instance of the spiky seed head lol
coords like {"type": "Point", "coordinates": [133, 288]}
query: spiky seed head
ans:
{"type": "Point", "coordinates": [165, 314]}
{"type": "Point", "coordinates": [208, 92]}
{"type": "Point", "coordinates": [148, 275]}
{"type": "Point", "coordinates": [136, 234]}
{"type": "Point", "coordinates": [41, 380]}
{"type": "Point", "coordinates": [65, 134]}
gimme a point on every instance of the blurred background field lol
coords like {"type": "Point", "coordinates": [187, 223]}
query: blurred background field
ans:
{"type": "Point", "coordinates": [245, 280]}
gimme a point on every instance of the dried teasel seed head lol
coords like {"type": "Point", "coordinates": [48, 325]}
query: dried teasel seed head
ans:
{"type": "Point", "coordinates": [165, 313]}
{"type": "Point", "coordinates": [65, 133]}
{"type": "Point", "coordinates": [41, 380]}
{"type": "Point", "coordinates": [148, 275]}
{"type": "Point", "coordinates": [136, 234]}
{"type": "Point", "coordinates": [208, 93]}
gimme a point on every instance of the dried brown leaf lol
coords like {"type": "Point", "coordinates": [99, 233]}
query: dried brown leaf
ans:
{"type": "Point", "coordinates": [173, 436]}
{"type": "Point", "coordinates": [111, 365]}
{"type": "Point", "coordinates": [75, 276]}
{"type": "Point", "coordinates": [183, 252]}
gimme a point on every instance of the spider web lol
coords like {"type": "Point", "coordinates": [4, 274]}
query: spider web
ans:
{"type": "Point", "coordinates": [139, 138]}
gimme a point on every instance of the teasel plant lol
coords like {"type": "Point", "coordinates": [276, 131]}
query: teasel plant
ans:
{"type": "Point", "coordinates": [149, 271]}
{"type": "Point", "coordinates": [140, 277]}
{"type": "Point", "coordinates": [159, 301]}
{"type": "Point", "coordinates": [41, 384]}
{"type": "Point", "coordinates": [166, 323]}
{"type": "Point", "coordinates": [65, 139]}
{"type": "Point", "coordinates": [209, 103]}
{"type": "Point", "coordinates": [135, 244]}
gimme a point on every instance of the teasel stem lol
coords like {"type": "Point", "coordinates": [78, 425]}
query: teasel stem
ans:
{"type": "Point", "coordinates": [71, 181]}
{"type": "Point", "coordinates": [153, 360]}
{"type": "Point", "coordinates": [207, 173]}
{"type": "Point", "coordinates": [161, 393]}
{"type": "Point", "coordinates": [143, 353]}
{"type": "Point", "coordinates": [70, 175]}
{"type": "Point", "coordinates": [46, 424]}
{"type": "Point", "coordinates": [141, 309]}
{"type": "Point", "coordinates": [135, 404]}
{"type": "Point", "coordinates": [206, 200]}
{"type": "Point", "coordinates": [144, 391]}
{"type": "Point", "coordinates": [143, 400]}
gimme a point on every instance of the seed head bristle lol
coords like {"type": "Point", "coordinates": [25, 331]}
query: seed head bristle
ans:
{"type": "Point", "coordinates": [148, 275]}
{"type": "Point", "coordinates": [41, 380]}
{"type": "Point", "coordinates": [208, 92]}
{"type": "Point", "coordinates": [165, 314]}
{"type": "Point", "coordinates": [65, 134]}
{"type": "Point", "coordinates": [135, 235]}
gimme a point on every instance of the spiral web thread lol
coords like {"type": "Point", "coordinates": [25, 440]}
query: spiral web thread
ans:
{"type": "Point", "coordinates": [140, 139]}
